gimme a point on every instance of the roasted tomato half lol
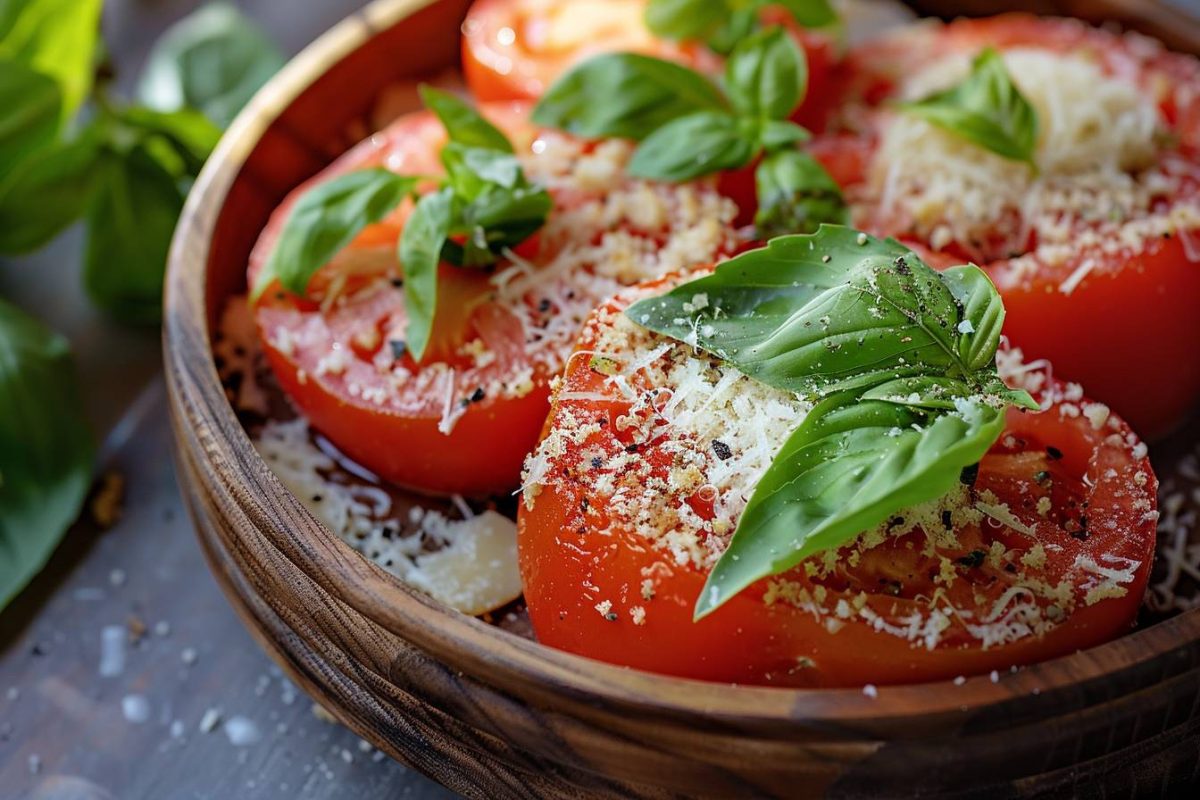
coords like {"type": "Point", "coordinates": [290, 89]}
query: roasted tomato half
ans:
{"type": "Point", "coordinates": [1097, 250]}
{"type": "Point", "coordinates": [463, 418]}
{"type": "Point", "coordinates": [514, 49]}
{"type": "Point", "coordinates": [650, 453]}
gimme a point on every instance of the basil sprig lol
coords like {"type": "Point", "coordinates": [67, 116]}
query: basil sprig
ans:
{"type": "Point", "coordinates": [721, 24]}
{"type": "Point", "coordinates": [687, 128]}
{"type": "Point", "coordinates": [898, 359]}
{"type": "Point", "coordinates": [482, 207]}
{"type": "Point", "coordinates": [986, 108]}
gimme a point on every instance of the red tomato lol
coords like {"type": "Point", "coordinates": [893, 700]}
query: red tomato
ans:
{"type": "Point", "coordinates": [1115, 316]}
{"type": "Point", "coordinates": [514, 49]}
{"type": "Point", "coordinates": [332, 351]}
{"type": "Point", "coordinates": [597, 584]}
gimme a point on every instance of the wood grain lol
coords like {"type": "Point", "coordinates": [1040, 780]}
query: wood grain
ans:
{"type": "Point", "coordinates": [494, 715]}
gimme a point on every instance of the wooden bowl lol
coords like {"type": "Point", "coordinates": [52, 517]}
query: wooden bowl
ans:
{"type": "Point", "coordinates": [493, 715]}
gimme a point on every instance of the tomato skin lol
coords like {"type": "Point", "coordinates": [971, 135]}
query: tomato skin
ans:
{"type": "Point", "coordinates": [583, 569]}
{"type": "Point", "coordinates": [482, 454]}
{"type": "Point", "coordinates": [1125, 332]}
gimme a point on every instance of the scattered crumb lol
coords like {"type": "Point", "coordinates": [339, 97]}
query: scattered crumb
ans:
{"type": "Point", "coordinates": [108, 500]}
{"type": "Point", "coordinates": [35, 764]}
{"type": "Point", "coordinates": [320, 713]}
{"type": "Point", "coordinates": [210, 720]}
{"type": "Point", "coordinates": [112, 651]}
{"type": "Point", "coordinates": [960, 680]}
{"type": "Point", "coordinates": [870, 691]}
{"type": "Point", "coordinates": [135, 708]}
{"type": "Point", "coordinates": [162, 628]}
{"type": "Point", "coordinates": [188, 655]}
{"type": "Point", "coordinates": [136, 628]}
{"type": "Point", "coordinates": [242, 732]}
{"type": "Point", "coordinates": [117, 577]}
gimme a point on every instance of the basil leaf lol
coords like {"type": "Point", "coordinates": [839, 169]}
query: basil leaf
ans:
{"type": "Point", "coordinates": [851, 464]}
{"type": "Point", "coordinates": [326, 219]}
{"type": "Point", "coordinates": [692, 146]}
{"type": "Point", "coordinates": [45, 447]}
{"type": "Point", "coordinates": [32, 104]}
{"type": "Point", "coordinates": [46, 192]}
{"type": "Point", "coordinates": [499, 218]}
{"type": "Point", "coordinates": [835, 311]}
{"type": "Point", "coordinates": [213, 60]}
{"type": "Point", "coordinates": [740, 23]}
{"type": "Point", "coordinates": [130, 221]}
{"type": "Point", "coordinates": [56, 38]}
{"type": "Point", "coordinates": [795, 195]}
{"type": "Point", "coordinates": [986, 109]}
{"type": "Point", "coordinates": [780, 133]}
{"type": "Point", "coordinates": [463, 124]}
{"type": "Point", "coordinates": [470, 169]}
{"type": "Point", "coordinates": [766, 75]}
{"type": "Point", "coordinates": [685, 19]}
{"type": "Point", "coordinates": [425, 233]}
{"type": "Point", "coordinates": [187, 133]}
{"type": "Point", "coordinates": [624, 95]}
{"type": "Point", "coordinates": [809, 13]}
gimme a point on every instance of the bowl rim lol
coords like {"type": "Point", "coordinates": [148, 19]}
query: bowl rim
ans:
{"type": "Point", "coordinates": [487, 652]}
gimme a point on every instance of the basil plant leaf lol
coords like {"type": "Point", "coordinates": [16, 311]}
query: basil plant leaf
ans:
{"type": "Point", "coordinates": [809, 13]}
{"type": "Point", "coordinates": [835, 311]}
{"type": "Point", "coordinates": [326, 219]}
{"type": "Point", "coordinates": [46, 192]}
{"type": "Point", "coordinates": [56, 38]}
{"type": "Point", "coordinates": [213, 60]}
{"type": "Point", "coordinates": [32, 105]}
{"type": "Point", "coordinates": [45, 447]}
{"type": "Point", "coordinates": [850, 465]}
{"type": "Point", "coordinates": [425, 233]}
{"type": "Point", "coordinates": [685, 20]}
{"type": "Point", "coordinates": [186, 133]}
{"type": "Point", "coordinates": [624, 95]}
{"type": "Point", "coordinates": [693, 146]}
{"type": "Point", "coordinates": [130, 221]}
{"type": "Point", "coordinates": [795, 195]}
{"type": "Point", "coordinates": [986, 109]}
{"type": "Point", "coordinates": [766, 75]}
{"type": "Point", "coordinates": [463, 124]}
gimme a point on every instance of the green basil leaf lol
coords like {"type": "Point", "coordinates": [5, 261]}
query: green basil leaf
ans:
{"type": "Point", "coordinates": [692, 146]}
{"type": "Point", "coordinates": [425, 233]}
{"type": "Point", "coordinates": [851, 464]}
{"type": "Point", "coordinates": [45, 447]}
{"type": "Point", "coordinates": [56, 38]}
{"type": "Point", "coordinates": [766, 75]}
{"type": "Point", "coordinates": [795, 195]}
{"type": "Point", "coordinates": [213, 60]}
{"type": "Point", "coordinates": [187, 133]}
{"type": "Point", "coordinates": [778, 134]}
{"type": "Point", "coordinates": [738, 24]}
{"type": "Point", "coordinates": [130, 221]}
{"type": "Point", "coordinates": [463, 124]}
{"type": "Point", "coordinates": [685, 19]}
{"type": "Point", "coordinates": [325, 220]}
{"type": "Point", "coordinates": [470, 169]}
{"type": "Point", "coordinates": [47, 191]}
{"type": "Point", "coordinates": [809, 13]}
{"type": "Point", "coordinates": [624, 95]}
{"type": "Point", "coordinates": [835, 311]}
{"type": "Point", "coordinates": [986, 109]}
{"type": "Point", "coordinates": [32, 105]}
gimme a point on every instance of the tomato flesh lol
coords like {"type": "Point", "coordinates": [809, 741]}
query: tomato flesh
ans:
{"type": "Point", "coordinates": [596, 585]}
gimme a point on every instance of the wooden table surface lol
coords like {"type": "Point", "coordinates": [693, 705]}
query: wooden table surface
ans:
{"type": "Point", "coordinates": [111, 661]}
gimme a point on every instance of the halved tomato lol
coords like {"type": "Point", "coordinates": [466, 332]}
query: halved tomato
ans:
{"type": "Point", "coordinates": [514, 49]}
{"type": "Point", "coordinates": [1097, 254]}
{"type": "Point", "coordinates": [463, 419]}
{"type": "Point", "coordinates": [1044, 549]}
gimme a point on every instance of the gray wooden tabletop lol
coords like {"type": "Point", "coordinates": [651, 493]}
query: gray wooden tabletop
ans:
{"type": "Point", "coordinates": [123, 671]}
